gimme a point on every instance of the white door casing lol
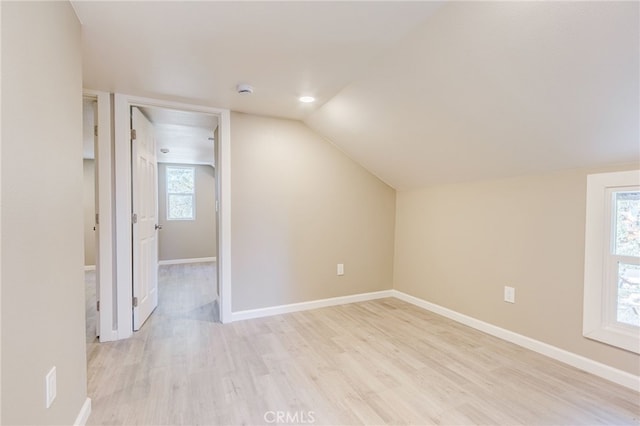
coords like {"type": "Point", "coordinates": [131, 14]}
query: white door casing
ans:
{"type": "Point", "coordinates": [105, 291]}
{"type": "Point", "coordinates": [144, 180]}
{"type": "Point", "coordinates": [216, 170]}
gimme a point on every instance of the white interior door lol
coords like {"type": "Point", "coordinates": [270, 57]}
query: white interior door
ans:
{"type": "Point", "coordinates": [144, 217]}
{"type": "Point", "coordinates": [96, 222]}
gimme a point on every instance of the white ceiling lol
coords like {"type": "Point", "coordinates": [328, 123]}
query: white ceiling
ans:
{"type": "Point", "coordinates": [417, 92]}
{"type": "Point", "coordinates": [199, 50]}
{"type": "Point", "coordinates": [188, 136]}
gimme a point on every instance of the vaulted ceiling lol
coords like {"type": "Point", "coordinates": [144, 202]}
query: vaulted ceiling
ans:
{"type": "Point", "coordinates": [417, 92]}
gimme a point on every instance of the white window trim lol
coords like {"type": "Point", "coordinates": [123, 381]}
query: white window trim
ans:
{"type": "Point", "coordinates": [192, 194]}
{"type": "Point", "coordinates": [597, 323]}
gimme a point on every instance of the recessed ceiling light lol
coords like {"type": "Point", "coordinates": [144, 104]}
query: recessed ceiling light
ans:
{"type": "Point", "coordinates": [164, 150]}
{"type": "Point", "coordinates": [306, 99]}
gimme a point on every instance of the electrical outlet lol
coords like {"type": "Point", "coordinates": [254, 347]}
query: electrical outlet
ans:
{"type": "Point", "coordinates": [340, 268]}
{"type": "Point", "coordinates": [50, 386]}
{"type": "Point", "coordinates": [509, 294]}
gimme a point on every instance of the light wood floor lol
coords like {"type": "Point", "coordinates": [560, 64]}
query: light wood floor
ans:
{"type": "Point", "coordinates": [90, 306]}
{"type": "Point", "coordinates": [379, 362]}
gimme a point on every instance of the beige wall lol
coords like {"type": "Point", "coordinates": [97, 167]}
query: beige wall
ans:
{"type": "Point", "coordinates": [89, 202]}
{"type": "Point", "coordinates": [43, 322]}
{"type": "Point", "coordinates": [298, 207]}
{"type": "Point", "coordinates": [459, 245]}
{"type": "Point", "coordinates": [189, 239]}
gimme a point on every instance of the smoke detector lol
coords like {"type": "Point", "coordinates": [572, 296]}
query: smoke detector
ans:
{"type": "Point", "coordinates": [244, 89]}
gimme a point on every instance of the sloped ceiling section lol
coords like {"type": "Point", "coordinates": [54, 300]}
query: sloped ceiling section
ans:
{"type": "Point", "coordinates": [493, 89]}
{"type": "Point", "coordinates": [197, 51]}
{"type": "Point", "coordinates": [419, 93]}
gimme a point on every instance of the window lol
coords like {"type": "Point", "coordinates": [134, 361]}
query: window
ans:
{"type": "Point", "coordinates": [181, 186]}
{"type": "Point", "coordinates": [612, 260]}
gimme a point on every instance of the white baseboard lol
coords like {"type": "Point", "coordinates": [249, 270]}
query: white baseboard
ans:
{"type": "Point", "coordinates": [183, 261]}
{"type": "Point", "coordinates": [602, 370]}
{"type": "Point", "coordinates": [90, 268]}
{"type": "Point", "coordinates": [305, 306]}
{"type": "Point", "coordinates": [84, 413]}
{"type": "Point", "coordinates": [607, 372]}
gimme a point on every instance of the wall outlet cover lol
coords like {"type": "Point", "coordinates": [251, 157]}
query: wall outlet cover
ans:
{"type": "Point", "coordinates": [509, 294]}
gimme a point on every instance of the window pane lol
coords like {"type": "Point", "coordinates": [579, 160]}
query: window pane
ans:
{"type": "Point", "coordinates": [627, 227]}
{"type": "Point", "coordinates": [180, 180]}
{"type": "Point", "coordinates": [628, 311]}
{"type": "Point", "coordinates": [180, 206]}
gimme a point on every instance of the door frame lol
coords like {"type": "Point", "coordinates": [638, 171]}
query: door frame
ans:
{"type": "Point", "coordinates": [123, 240]}
{"type": "Point", "coordinates": [104, 230]}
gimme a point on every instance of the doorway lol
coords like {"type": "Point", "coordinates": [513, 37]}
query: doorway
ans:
{"type": "Point", "coordinates": [174, 209]}
{"type": "Point", "coordinates": [99, 247]}
{"type": "Point", "coordinates": [123, 105]}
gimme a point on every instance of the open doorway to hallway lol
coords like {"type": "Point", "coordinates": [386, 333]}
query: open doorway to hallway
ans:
{"type": "Point", "coordinates": [126, 298]}
{"type": "Point", "coordinates": [186, 218]}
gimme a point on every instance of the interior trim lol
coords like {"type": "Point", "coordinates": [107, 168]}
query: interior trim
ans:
{"type": "Point", "coordinates": [305, 306]}
{"type": "Point", "coordinates": [83, 415]}
{"type": "Point", "coordinates": [604, 371]}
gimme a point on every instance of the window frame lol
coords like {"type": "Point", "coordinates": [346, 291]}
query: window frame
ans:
{"type": "Point", "coordinates": [191, 194]}
{"type": "Point", "coordinates": [600, 273]}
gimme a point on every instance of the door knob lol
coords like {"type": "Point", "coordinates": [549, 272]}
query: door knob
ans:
{"type": "Point", "coordinates": [158, 226]}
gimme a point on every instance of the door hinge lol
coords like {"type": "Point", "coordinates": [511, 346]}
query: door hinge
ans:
{"type": "Point", "coordinates": [133, 134]}
{"type": "Point", "coordinates": [95, 130]}
{"type": "Point", "coordinates": [134, 218]}
{"type": "Point", "coordinates": [97, 219]}
{"type": "Point", "coordinates": [98, 306]}
{"type": "Point", "coordinates": [135, 302]}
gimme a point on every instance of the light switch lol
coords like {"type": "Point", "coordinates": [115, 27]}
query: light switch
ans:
{"type": "Point", "coordinates": [51, 386]}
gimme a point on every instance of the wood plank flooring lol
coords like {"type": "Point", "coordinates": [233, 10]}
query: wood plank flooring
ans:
{"type": "Point", "coordinates": [90, 305]}
{"type": "Point", "coordinates": [378, 362]}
